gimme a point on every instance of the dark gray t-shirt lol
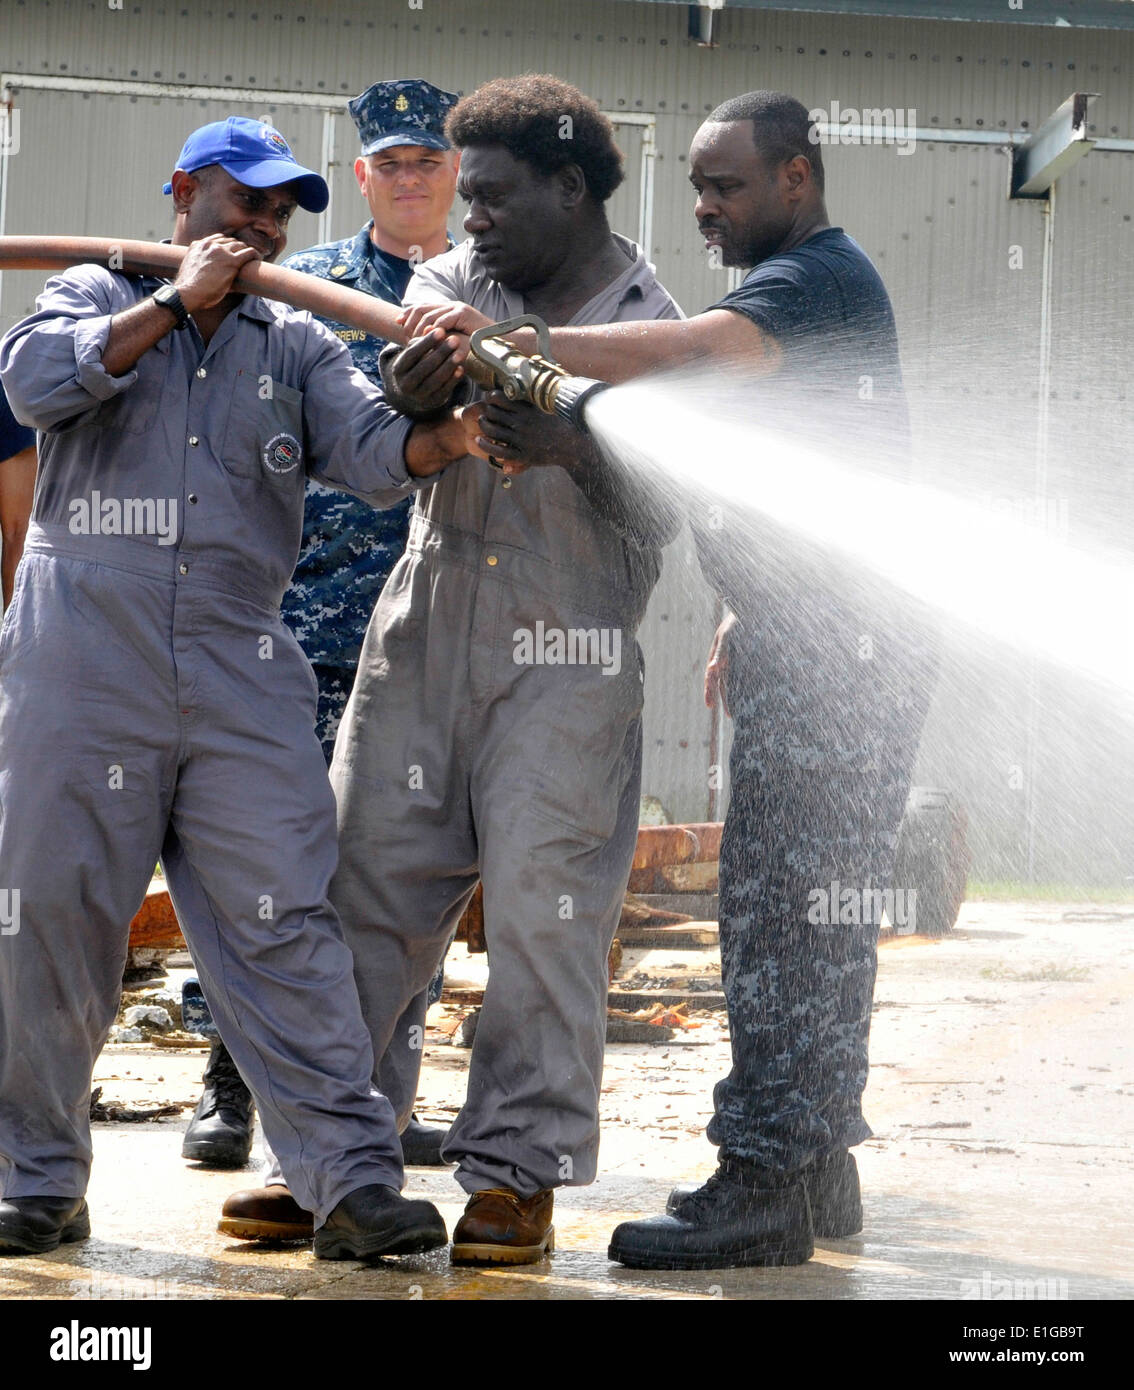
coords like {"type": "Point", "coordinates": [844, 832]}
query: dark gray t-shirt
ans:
{"type": "Point", "coordinates": [826, 306]}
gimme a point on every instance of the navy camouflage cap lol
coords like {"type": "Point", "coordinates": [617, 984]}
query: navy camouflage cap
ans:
{"type": "Point", "coordinates": [405, 112]}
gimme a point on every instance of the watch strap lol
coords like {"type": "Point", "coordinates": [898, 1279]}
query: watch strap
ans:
{"type": "Point", "coordinates": [169, 299]}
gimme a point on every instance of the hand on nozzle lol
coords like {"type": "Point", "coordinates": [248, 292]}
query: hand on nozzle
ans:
{"type": "Point", "coordinates": [450, 315]}
{"type": "Point", "coordinates": [472, 422]}
{"type": "Point", "coordinates": [469, 416]}
{"type": "Point", "coordinates": [519, 436]}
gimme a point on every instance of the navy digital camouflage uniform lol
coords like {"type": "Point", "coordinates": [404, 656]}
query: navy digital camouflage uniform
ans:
{"type": "Point", "coordinates": [14, 437]}
{"type": "Point", "coordinates": [829, 679]}
{"type": "Point", "coordinates": [348, 548]}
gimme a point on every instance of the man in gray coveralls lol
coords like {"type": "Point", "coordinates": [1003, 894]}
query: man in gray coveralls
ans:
{"type": "Point", "coordinates": [152, 702]}
{"type": "Point", "coordinates": [501, 743]}
{"type": "Point", "coordinates": [485, 737]}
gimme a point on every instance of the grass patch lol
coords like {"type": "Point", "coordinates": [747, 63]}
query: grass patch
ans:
{"type": "Point", "coordinates": [1073, 974]}
{"type": "Point", "coordinates": [1016, 890]}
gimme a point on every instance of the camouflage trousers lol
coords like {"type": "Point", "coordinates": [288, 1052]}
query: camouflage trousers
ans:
{"type": "Point", "coordinates": [821, 765]}
{"type": "Point", "coordinates": [335, 684]}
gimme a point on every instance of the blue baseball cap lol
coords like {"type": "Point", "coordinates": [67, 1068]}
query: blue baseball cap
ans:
{"type": "Point", "coordinates": [407, 111]}
{"type": "Point", "coordinates": [254, 154]}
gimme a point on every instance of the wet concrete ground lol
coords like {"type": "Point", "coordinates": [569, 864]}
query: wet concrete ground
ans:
{"type": "Point", "coordinates": [1001, 1095]}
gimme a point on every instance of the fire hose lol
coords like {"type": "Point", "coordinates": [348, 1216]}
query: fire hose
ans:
{"type": "Point", "coordinates": [492, 361]}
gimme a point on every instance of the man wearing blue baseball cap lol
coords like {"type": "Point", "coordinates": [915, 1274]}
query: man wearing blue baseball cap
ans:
{"type": "Point", "coordinates": [407, 173]}
{"type": "Point", "coordinates": [152, 702]}
{"type": "Point", "coordinates": [255, 155]}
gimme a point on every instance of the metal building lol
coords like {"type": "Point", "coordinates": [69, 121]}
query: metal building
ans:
{"type": "Point", "coordinates": [98, 95]}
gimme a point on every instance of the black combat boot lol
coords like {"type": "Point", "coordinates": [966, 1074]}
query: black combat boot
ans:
{"type": "Point", "coordinates": [220, 1132]}
{"type": "Point", "coordinates": [832, 1189]}
{"type": "Point", "coordinates": [378, 1220]}
{"type": "Point", "coordinates": [836, 1198]}
{"type": "Point", "coordinates": [35, 1225]}
{"type": "Point", "coordinates": [421, 1144]}
{"type": "Point", "coordinates": [744, 1215]}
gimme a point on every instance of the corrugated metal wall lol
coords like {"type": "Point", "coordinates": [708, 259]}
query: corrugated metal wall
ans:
{"type": "Point", "coordinates": [937, 223]}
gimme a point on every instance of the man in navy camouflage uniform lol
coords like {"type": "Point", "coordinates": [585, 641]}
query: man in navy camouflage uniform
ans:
{"type": "Point", "coordinates": [407, 173]}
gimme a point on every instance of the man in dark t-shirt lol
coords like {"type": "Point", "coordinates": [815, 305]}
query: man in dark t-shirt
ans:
{"type": "Point", "coordinates": [826, 671]}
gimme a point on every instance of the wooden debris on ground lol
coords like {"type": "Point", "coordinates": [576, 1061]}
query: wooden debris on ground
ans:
{"type": "Point", "coordinates": [696, 843]}
{"type": "Point", "coordinates": [654, 1024]}
{"type": "Point", "coordinates": [676, 858]}
{"type": "Point", "coordinates": [646, 996]}
{"type": "Point", "coordinates": [453, 1019]}
{"type": "Point", "coordinates": [116, 1111]}
{"type": "Point", "coordinates": [636, 913]}
{"type": "Point", "coordinates": [462, 994]}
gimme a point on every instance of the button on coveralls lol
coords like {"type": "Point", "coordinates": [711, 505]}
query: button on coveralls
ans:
{"type": "Point", "coordinates": [462, 753]}
{"type": "Point", "coordinates": [153, 703]}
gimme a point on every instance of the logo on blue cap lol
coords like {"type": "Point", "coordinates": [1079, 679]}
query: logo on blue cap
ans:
{"type": "Point", "coordinates": [254, 154]}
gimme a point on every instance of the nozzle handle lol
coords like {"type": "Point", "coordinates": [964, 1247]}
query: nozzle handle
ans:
{"type": "Point", "coordinates": [506, 326]}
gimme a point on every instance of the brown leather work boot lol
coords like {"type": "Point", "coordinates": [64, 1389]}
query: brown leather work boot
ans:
{"type": "Point", "coordinates": [500, 1227]}
{"type": "Point", "coordinates": [265, 1213]}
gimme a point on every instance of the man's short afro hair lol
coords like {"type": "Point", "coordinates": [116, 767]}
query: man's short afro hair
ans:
{"type": "Point", "coordinates": [545, 122]}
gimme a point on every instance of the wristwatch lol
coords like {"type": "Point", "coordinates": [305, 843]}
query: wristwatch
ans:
{"type": "Point", "coordinates": [169, 299]}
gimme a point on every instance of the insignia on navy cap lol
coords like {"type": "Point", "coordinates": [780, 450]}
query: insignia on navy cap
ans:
{"type": "Point", "coordinates": [404, 112]}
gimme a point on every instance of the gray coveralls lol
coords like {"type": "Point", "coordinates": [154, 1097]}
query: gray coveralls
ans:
{"type": "Point", "coordinates": [153, 703]}
{"type": "Point", "coordinates": [457, 758]}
